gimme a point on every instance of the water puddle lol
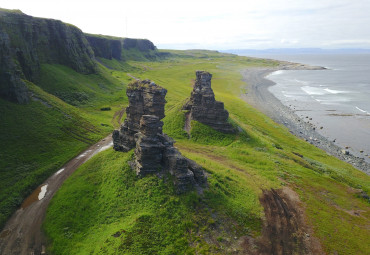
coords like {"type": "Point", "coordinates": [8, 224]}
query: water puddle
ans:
{"type": "Point", "coordinates": [5, 233]}
{"type": "Point", "coordinates": [106, 147]}
{"type": "Point", "coordinates": [36, 195]}
{"type": "Point", "coordinates": [31, 198]}
{"type": "Point", "coordinates": [59, 171]}
{"type": "Point", "coordinates": [42, 192]}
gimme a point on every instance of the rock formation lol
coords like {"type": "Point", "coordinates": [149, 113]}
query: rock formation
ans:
{"type": "Point", "coordinates": [105, 46]}
{"type": "Point", "coordinates": [140, 44]}
{"type": "Point", "coordinates": [155, 154]}
{"type": "Point", "coordinates": [204, 108]}
{"type": "Point", "coordinates": [27, 42]}
{"type": "Point", "coordinates": [145, 98]}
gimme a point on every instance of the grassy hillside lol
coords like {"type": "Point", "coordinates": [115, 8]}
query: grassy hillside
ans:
{"type": "Point", "coordinates": [105, 209]}
{"type": "Point", "coordinates": [39, 137]}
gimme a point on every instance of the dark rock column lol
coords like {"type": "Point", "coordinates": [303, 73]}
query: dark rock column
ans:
{"type": "Point", "coordinates": [203, 106]}
{"type": "Point", "coordinates": [155, 154]}
{"type": "Point", "coordinates": [145, 98]}
{"type": "Point", "coordinates": [149, 147]}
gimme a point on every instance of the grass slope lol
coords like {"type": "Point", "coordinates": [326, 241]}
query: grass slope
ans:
{"type": "Point", "coordinates": [38, 138]}
{"type": "Point", "coordinates": [105, 209]}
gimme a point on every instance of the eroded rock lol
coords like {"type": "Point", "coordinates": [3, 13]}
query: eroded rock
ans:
{"type": "Point", "coordinates": [154, 151]}
{"type": "Point", "coordinates": [155, 154]}
{"type": "Point", "coordinates": [203, 106]}
{"type": "Point", "coordinates": [145, 98]}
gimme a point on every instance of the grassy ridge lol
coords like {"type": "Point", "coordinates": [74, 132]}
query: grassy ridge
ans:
{"type": "Point", "coordinates": [38, 138]}
{"type": "Point", "coordinates": [119, 213]}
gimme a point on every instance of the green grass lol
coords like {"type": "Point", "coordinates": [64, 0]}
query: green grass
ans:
{"type": "Point", "coordinates": [38, 138]}
{"type": "Point", "coordinates": [104, 196]}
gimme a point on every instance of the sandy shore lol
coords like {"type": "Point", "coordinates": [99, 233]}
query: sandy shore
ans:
{"type": "Point", "coordinates": [261, 98]}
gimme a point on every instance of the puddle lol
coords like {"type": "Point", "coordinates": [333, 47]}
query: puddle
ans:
{"type": "Point", "coordinates": [106, 147]}
{"type": "Point", "coordinates": [36, 195]}
{"type": "Point", "coordinates": [5, 233]}
{"type": "Point", "coordinates": [59, 171]}
{"type": "Point", "coordinates": [42, 192]}
{"type": "Point", "coordinates": [81, 156]}
{"type": "Point", "coordinates": [31, 198]}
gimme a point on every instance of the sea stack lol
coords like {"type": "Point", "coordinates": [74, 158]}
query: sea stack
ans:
{"type": "Point", "coordinates": [203, 107]}
{"type": "Point", "coordinates": [145, 98]}
{"type": "Point", "coordinates": [154, 151]}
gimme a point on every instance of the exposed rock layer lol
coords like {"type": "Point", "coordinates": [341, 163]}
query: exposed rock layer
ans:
{"type": "Point", "coordinates": [145, 98]}
{"type": "Point", "coordinates": [203, 106]}
{"type": "Point", "coordinates": [26, 42]}
{"type": "Point", "coordinates": [156, 154]}
{"type": "Point", "coordinates": [105, 47]}
{"type": "Point", "coordinates": [140, 44]}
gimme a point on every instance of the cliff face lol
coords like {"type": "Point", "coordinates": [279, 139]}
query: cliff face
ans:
{"type": "Point", "coordinates": [26, 42]}
{"type": "Point", "coordinates": [140, 44]}
{"type": "Point", "coordinates": [105, 47]}
{"type": "Point", "coordinates": [11, 86]}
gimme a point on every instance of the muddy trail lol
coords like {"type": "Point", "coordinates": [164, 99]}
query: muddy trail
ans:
{"type": "Point", "coordinates": [22, 233]}
{"type": "Point", "coordinates": [285, 230]}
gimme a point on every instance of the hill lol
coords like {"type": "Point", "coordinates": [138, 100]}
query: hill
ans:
{"type": "Point", "coordinates": [269, 191]}
{"type": "Point", "coordinates": [56, 99]}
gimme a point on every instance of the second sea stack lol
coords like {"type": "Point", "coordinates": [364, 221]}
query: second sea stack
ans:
{"type": "Point", "coordinates": [203, 106]}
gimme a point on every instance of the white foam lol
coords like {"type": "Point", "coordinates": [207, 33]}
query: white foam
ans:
{"type": "Point", "coordinates": [59, 171]}
{"type": "Point", "coordinates": [43, 192]}
{"type": "Point", "coordinates": [277, 72]}
{"type": "Point", "coordinates": [362, 110]}
{"type": "Point", "coordinates": [313, 91]}
{"type": "Point", "coordinates": [332, 91]}
{"type": "Point", "coordinates": [302, 82]}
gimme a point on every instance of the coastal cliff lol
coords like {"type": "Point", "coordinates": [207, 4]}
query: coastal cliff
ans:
{"type": "Point", "coordinates": [27, 42]}
{"type": "Point", "coordinates": [105, 47]}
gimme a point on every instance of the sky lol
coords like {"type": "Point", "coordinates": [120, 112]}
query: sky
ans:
{"type": "Point", "coordinates": [216, 24]}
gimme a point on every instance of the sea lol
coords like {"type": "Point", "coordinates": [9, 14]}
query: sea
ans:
{"type": "Point", "coordinates": [336, 100]}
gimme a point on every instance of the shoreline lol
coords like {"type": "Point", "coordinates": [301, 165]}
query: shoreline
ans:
{"type": "Point", "coordinates": [262, 99]}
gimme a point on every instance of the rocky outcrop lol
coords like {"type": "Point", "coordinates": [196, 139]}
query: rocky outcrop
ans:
{"type": "Point", "coordinates": [145, 98]}
{"type": "Point", "coordinates": [140, 44]}
{"type": "Point", "coordinates": [27, 42]}
{"type": "Point", "coordinates": [203, 107]}
{"type": "Point", "coordinates": [105, 47]}
{"type": "Point", "coordinates": [155, 154]}
{"type": "Point", "coordinates": [11, 86]}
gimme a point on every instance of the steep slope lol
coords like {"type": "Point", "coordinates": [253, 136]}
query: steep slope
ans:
{"type": "Point", "coordinates": [263, 183]}
{"type": "Point", "coordinates": [45, 67]}
{"type": "Point", "coordinates": [27, 42]}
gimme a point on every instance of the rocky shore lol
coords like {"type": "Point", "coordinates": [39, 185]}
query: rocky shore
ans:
{"type": "Point", "coordinates": [261, 98]}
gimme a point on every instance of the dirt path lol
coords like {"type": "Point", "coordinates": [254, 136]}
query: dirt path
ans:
{"type": "Point", "coordinates": [22, 233]}
{"type": "Point", "coordinates": [285, 230]}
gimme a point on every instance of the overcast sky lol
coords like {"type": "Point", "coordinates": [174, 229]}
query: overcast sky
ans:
{"type": "Point", "coordinates": [216, 24]}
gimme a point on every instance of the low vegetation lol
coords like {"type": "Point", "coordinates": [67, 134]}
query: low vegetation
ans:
{"type": "Point", "coordinates": [103, 208]}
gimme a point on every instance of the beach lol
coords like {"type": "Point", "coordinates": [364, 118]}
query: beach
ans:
{"type": "Point", "coordinates": [258, 95]}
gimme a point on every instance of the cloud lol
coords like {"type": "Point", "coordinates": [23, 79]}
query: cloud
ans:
{"type": "Point", "coordinates": [216, 24]}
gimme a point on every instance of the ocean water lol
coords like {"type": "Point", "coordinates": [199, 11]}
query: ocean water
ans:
{"type": "Point", "coordinates": [336, 101]}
